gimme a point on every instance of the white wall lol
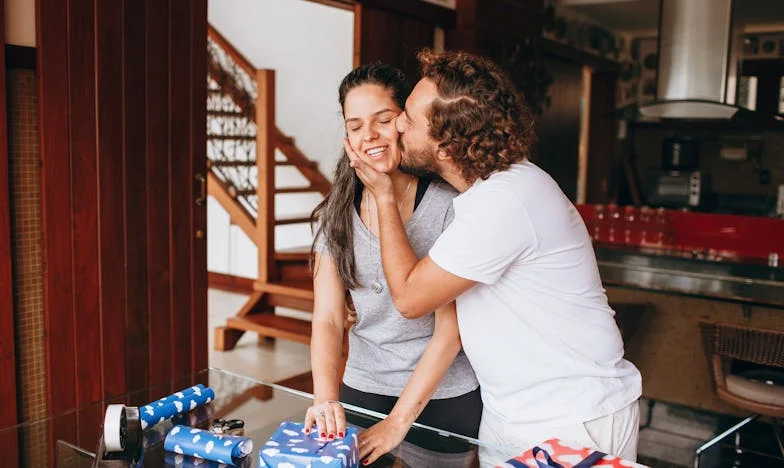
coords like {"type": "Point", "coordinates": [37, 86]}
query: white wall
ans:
{"type": "Point", "coordinates": [20, 22]}
{"type": "Point", "coordinates": [310, 47]}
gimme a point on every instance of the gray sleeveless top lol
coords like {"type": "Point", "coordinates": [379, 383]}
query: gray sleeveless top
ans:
{"type": "Point", "coordinates": [384, 346]}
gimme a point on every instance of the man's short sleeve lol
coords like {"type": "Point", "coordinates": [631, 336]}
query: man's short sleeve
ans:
{"type": "Point", "coordinates": [490, 231]}
{"type": "Point", "coordinates": [449, 216]}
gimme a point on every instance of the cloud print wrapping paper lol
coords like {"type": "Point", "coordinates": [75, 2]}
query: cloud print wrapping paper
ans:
{"type": "Point", "coordinates": [290, 447]}
{"type": "Point", "coordinates": [177, 403]}
{"type": "Point", "coordinates": [199, 443]}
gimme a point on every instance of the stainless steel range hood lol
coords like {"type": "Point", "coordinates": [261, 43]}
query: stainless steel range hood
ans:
{"type": "Point", "coordinates": [700, 46]}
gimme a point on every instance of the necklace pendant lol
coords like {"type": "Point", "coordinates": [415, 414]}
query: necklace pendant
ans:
{"type": "Point", "coordinates": [376, 287]}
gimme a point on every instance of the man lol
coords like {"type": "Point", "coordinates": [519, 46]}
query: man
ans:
{"type": "Point", "coordinates": [532, 312]}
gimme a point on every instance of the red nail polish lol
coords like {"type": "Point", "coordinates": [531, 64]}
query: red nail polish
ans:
{"type": "Point", "coordinates": [307, 431]}
{"type": "Point", "coordinates": [340, 434]}
{"type": "Point", "coordinates": [365, 462]}
{"type": "Point", "coordinates": [323, 434]}
{"type": "Point", "coordinates": [332, 436]}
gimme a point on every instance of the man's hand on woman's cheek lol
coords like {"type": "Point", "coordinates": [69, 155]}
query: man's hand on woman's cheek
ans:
{"type": "Point", "coordinates": [379, 183]}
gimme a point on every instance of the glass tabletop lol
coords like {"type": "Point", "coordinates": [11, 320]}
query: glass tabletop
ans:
{"type": "Point", "coordinates": [73, 439]}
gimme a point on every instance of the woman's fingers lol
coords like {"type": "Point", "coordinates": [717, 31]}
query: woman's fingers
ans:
{"type": "Point", "coordinates": [340, 421]}
{"type": "Point", "coordinates": [352, 155]}
{"type": "Point", "coordinates": [310, 420]}
{"type": "Point", "coordinates": [365, 446]}
{"type": "Point", "coordinates": [373, 456]}
{"type": "Point", "coordinates": [321, 422]}
{"type": "Point", "coordinates": [329, 417]}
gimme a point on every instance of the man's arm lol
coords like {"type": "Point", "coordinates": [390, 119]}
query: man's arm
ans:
{"type": "Point", "coordinates": [417, 286]}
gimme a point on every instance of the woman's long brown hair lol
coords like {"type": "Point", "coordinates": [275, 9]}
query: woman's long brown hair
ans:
{"type": "Point", "coordinates": [333, 216]}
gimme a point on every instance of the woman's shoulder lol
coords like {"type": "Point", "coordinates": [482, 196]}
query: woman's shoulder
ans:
{"type": "Point", "coordinates": [441, 192]}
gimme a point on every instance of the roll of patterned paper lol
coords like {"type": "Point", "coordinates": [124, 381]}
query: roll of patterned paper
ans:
{"type": "Point", "coordinates": [183, 461]}
{"type": "Point", "coordinates": [156, 434]}
{"type": "Point", "coordinates": [172, 405]}
{"type": "Point", "coordinates": [178, 395]}
{"type": "Point", "coordinates": [199, 443]}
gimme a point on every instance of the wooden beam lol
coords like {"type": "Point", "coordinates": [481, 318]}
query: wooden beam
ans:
{"type": "Point", "coordinates": [111, 229]}
{"type": "Point", "coordinates": [198, 235]}
{"type": "Point", "coordinates": [265, 164]}
{"type": "Point", "coordinates": [8, 414]}
{"type": "Point", "coordinates": [237, 213]}
{"type": "Point", "coordinates": [54, 118]}
{"type": "Point", "coordinates": [231, 283]}
{"type": "Point", "coordinates": [158, 205]}
{"type": "Point", "coordinates": [235, 54]}
{"type": "Point", "coordinates": [136, 198]}
{"type": "Point", "coordinates": [181, 184]}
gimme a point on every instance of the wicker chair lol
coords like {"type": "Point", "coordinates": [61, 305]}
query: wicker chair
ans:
{"type": "Point", "coordinates": [725, 343]}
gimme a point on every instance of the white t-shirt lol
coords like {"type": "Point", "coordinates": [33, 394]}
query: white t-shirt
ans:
{"type": "Point", "coordinates": [537, 328]}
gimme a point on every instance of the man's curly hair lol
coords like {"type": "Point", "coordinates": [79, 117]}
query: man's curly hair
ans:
{"type": "Point", "coordinates": [479, 118]}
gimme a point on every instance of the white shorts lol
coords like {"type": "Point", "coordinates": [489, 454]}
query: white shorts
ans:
{"type": "Point", "coordinates": [615, 434]}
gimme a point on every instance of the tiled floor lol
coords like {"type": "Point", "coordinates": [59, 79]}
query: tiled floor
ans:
{"type": "Point", "coordinates": [670, 440]}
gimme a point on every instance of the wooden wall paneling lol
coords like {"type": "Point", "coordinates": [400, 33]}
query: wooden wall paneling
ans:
{"type": "Point", "coordinates": [135, 159]}
{"type": "Point", "coordinates": [511, 18]}
{"type": "Point", "coordinates": [158, 225]}
{"type": "Point", "coordinates": [198, 234]}
{"type": "Point", "coordinates": [428, 12]}
{"type": "Point", "coordinates": [56, 220]}
{"type": "Point", "coordinates": [56, 203]}
{"type": "Point", "coordinates": [417, 34]}
{"type": "Point", "coordinates": [109, 79]}
{"type": "Point", "coordinates": [558, 127]}
{"type": "Point", "coordinates": [84, 190]}
{"type": "Point", "coordinates": [602, 138]}
{"type": "Point", "coordinates": [180, 186]}
{"type": "Point", "coordinates": [393, 38]}
{"type": "Point", "coordinates": [8, 414]}
{"type": "Point", "coordinates": [357, 60]}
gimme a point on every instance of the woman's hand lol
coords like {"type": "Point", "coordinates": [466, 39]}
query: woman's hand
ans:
{"type": "Point", "coordinates": [379, 183]}
{"type": "Point", "coordinates": [381, 438]}
{"type": "Point", "coordinates": [329, 418]}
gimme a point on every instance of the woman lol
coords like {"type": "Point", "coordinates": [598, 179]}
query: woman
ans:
{"type": "Point", "coordinates": [395, 365]}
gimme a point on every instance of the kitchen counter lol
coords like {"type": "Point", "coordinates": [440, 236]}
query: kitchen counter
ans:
{"type": "Point", "coordinates": [735, 282]}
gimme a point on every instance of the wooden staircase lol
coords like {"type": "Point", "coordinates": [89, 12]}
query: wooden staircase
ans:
{"type": "Point", "coordinates": [243, 141]}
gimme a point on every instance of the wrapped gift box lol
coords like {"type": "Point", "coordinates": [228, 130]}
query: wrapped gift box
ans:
{"type": "Point", "coordinates": [555, 453]}
{"type": "Point", "coordinates": [290, 447]}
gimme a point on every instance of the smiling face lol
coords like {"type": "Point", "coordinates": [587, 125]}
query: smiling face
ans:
{"type": "Point", "coordinates": [370, 112]}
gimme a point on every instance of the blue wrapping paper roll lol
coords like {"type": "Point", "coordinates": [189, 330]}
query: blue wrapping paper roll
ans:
{"type": "Point", "coordinates": [178, 395]}
{"type": "Point", "coordinates": [289, 446]}
{"type": "Point", "coordinates": [199, 443]}
{"type": "Point", "coordinates": [172, 405]}
{"type": "Point", "coordinates": [183, 461]}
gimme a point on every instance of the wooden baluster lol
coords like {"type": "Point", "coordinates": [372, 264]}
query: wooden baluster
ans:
{"type": "Point", "coordinates": [265, 163]}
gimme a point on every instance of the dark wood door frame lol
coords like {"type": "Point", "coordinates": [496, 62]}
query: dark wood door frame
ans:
{"type": "Point", "coordinates": [8, 413]}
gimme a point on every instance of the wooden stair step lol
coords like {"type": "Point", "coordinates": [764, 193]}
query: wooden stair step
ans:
{"type": "Point", "coordinates": [300, 290]}
{"type": "Point", "coordinates": [299, 219]}
{"type": "Point", "coordinates": [231, 137]}
{"type": "Point", "coordinates": [284, 190]}
{"type": "Point", "coordinates": [237, 114]}
{"type": "Point", "coordinates": [273, 325]}
{"type": "Point", "coordinates": [294, 254]}
{"type": "Point", "coordinates": [231, 163]}
{"type": "Point", "coordinates": [306, 189]}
